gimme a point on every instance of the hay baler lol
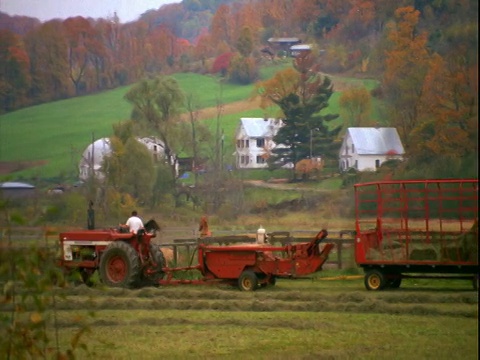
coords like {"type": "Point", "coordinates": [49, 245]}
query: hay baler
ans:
{"type": "Point", "coordinates": [250, 266]}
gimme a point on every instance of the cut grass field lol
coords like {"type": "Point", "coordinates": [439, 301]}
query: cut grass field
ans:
{"type": "Point", "coordinates": [301, 319]}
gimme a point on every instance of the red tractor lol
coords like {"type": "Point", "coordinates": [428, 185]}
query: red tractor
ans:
{"type": "Point", "coordinates": [122, 259]}
{"type": "Point", "coordinates": [127, 260]}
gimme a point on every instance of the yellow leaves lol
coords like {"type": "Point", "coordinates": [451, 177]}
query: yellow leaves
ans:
{"type": "Point", "coordinates": [36, 317]}
{"type": "Point", "coordinates": [283, 83]}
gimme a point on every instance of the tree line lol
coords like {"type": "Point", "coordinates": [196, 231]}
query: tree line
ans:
{"type": "Point", "coordinates": [423, 54]}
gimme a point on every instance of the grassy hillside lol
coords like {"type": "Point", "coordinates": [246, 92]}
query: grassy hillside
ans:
{"type": "Point", "coordinates": [58, 132]}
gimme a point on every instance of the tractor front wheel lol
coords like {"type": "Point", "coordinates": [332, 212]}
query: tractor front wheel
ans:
{"type": "Point", "coordinates": [375, 280]}
{"type": "Point", "coordinates": [119, 265]}
{"type": "Point", "coordinates": [248, 281]}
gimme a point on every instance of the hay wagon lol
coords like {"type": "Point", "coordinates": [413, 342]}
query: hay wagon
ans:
{"type": "Point", "coordinates": [416, 228]}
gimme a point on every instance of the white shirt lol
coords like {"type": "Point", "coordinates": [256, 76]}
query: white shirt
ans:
{"type": "Point", "coordinates": [134, 223]}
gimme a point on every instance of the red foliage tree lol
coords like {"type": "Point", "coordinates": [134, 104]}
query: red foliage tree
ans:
{"type": "Point", "coordinates": [222, 63]}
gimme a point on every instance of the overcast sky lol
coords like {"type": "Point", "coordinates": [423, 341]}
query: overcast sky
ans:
{"type": "Point", "coordinates": [127, 10]}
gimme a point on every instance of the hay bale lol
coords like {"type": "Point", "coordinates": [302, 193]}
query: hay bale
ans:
{"type": "Point", "coordinates": [451, 253]}
{"type": "Point", "coordinates": [469, 246]}
{"type": "Point", "coordinates": [424, 253]}
{"type": "Point", "coordinates": [168, 254]}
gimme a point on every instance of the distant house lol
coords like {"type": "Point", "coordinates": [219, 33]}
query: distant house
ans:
{"type": "Point", "coordinates": [92, 158]}
{"type": "Point", "coordinates": [283, 43]}
{"type": "Point", "coordinates": [254, 142]}
{"type": "Point", "coordinates": [367, 148]}
{"type": "Point", "coordinates": [296, 50]}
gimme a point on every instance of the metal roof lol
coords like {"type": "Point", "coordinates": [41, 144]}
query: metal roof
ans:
{"type": "Point", "coordinates": [301, 47]}
{"type": "Point", "coordinates": [260, 127]}
{"type": "Point", "coordinates": [15, 185]}
{"type": "Point", "coordinates": [374, 141]}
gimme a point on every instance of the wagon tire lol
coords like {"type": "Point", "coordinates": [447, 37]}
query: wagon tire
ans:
{"type": "Point", "coordinates": [248, 281]}
{"type": "Point", "coordinates": [395, 283]}
{"type": "Point", "coordinates": [375, 280]}
{"type": "Point", "coordinates": [119, 265]}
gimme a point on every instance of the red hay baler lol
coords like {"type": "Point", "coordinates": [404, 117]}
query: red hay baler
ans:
{"type": "Point", "coordinates": [127, 260]}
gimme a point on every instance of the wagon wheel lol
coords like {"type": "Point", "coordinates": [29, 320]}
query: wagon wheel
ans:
{"type": "Point", "coordinates": [375, 280]}
{"type": "Point", "coordinates": [248, 281]}
{"type": "Point", "coordinates": [119, 265]}
{"type": "Point", "coordinates": [395, 282]}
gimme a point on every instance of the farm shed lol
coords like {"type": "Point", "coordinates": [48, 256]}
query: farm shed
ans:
{"type": "Point", "coordinates": [254, 141]}
{"type": "Point", "coordinates": [367, 148]}
{"type": "Point", "coordinates": [16, 190]}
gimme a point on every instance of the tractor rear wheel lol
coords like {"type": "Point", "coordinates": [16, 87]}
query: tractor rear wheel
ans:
{"type": "Point", "coordinates": [247, 281]}
{"type": "Point", "coordinates": [375, 280]}
{"type": "Point", "coordinates": [119, 265]}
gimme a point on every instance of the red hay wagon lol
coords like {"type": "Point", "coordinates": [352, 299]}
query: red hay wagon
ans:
{"type": "Point", "coordinates": [416, 228]}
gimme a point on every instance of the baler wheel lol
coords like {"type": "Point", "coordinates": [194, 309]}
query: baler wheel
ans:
{"type": "Point", "coordinates": [119, 265]}
{"type": "Point", "coordinates": [248, 281]}
{"type": "Point", "coordinates": [375, 280]}
{"type": "Point", "coordinates": [159, 259]}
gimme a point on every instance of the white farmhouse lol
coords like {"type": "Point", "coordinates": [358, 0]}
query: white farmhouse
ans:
{"type": "Point", "coordinates": [92, 158]}
{"type": "Point", "coordinates": [254, 142]}
{"type": "Point", "coordinates": [367, 148]}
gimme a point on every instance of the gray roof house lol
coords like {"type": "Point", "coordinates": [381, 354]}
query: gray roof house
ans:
{"type": "Point", "coordinates": [254, 141]}
{"type": "Point", "coordinates": [367, 148]}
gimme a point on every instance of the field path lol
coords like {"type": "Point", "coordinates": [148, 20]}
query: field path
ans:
{"type": "Point", "coordinates": [230, 108]}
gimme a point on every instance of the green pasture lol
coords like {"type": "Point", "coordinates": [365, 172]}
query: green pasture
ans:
{"type": "Point", "coordinates": [58, 132]}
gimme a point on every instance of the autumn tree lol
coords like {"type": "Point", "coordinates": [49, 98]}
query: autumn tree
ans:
{"type": "Point", "coordinates": [448, 126]}
{"type": "Point", "coordinates": [14, 71]}
{"type": "Point", "coordinates": [356, 102]}
{"type": "Point", "coordinates": [406, 66]}
{"type": "Point", "coordinates": [221, 30]}
{"type": "Point", "coordinates": [158, 102]}
{"type": "Point", "coordinates": [48, 51]}
{"type": "Point", "coordinates": [82, 43]}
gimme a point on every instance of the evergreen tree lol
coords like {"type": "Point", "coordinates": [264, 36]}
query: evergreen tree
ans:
{"type": "Point", "coordinates": [306, 132]}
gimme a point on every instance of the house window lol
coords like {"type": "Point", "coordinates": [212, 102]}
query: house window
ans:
{"type": "Point", "coordinates": [356, 164]}
{"type": "Point", "coordinates": [239, 144]}
{"type": "Point", "coordinates": [260, 159]}
{"type": "Point", "coordinates": [377, 163]}
{"type": "Point", "coordinates": [353, 148]}
{"type": "Point", "coordinates": [247, 143]}
{"type": "Point", "coordinates": [346, 150]}
{"type": "Point", "coordinates": [260, 142]}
